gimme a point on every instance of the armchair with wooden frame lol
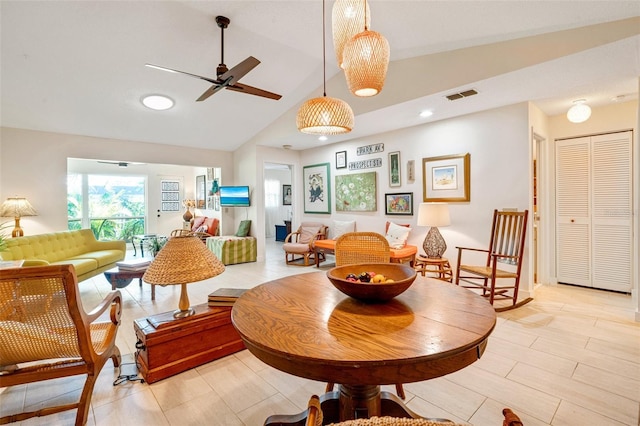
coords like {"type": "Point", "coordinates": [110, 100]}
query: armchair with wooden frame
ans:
{"type": "Point", "coordinates": [506, 246]}
{"type": "Point", "coordinates": [46, 334]}
{"type": "Point", "coordinates": [298, 245]}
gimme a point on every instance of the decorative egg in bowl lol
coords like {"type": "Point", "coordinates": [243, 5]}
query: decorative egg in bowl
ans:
{"type": "Point", "coordinates": [372, 282]}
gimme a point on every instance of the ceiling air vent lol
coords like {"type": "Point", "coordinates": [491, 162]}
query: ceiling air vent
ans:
{"type": "Point", "coordinates": [460, 95]}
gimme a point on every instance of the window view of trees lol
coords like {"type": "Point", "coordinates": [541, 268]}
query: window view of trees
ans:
{"type": "Point", "coordinates": [112, 206]}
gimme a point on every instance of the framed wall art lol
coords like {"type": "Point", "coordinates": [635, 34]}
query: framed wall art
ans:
{"type": "Point", "coordinates": [447, 178]}
{"type": "Point", "coordinates": [394, 169]}
{"type": "Point", "coordinates": [411, 171]}
{"type": "Point", "coordinates": [341, 160]}
{"type": "Point", "coordinates": [286, 195]}
{"type": "Point", "coordinates": [356, 192]}
{"type": "Point", "coordinates": [201, 185]}
{"type": "Point", "coordinates": [399, 203]}
{"type": "Point", "coordinates": [317, 191]}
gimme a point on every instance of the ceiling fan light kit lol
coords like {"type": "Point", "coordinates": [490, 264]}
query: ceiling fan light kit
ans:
{"type": "Point", "coordinates": [226, 78]}
{"type": "Point", "coordinates": [348, 17]}
{"type": "Point", "coordinates": [366, 59]}
{"type": "Point", "coordinates": [579, 112]}
{"type": "Point", "coordinates": [324, 115]}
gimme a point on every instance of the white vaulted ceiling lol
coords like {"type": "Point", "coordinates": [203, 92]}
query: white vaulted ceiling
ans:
{"type": "Point", "coordinates": [78, 67]}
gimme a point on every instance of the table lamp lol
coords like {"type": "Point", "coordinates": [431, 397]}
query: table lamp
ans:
{"type": "Point", "coordinates": [17, 207]}
{"type": "Point", "coordinates": [434, 215]}
{"type": "Point", "coordinates": [183, 260]}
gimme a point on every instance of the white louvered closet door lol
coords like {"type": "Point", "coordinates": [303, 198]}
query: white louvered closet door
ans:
{"type": "Point", "coordinates": [573, 231]}
{"type": "Point", "coordinates": [594, 205]}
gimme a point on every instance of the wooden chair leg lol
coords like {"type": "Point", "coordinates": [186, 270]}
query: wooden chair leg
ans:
{"type": "Point", "coordinates": [329, 387]}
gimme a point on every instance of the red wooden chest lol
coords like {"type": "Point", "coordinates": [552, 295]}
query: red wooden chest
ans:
{"type": "Point", "coordinates": [168, 346]}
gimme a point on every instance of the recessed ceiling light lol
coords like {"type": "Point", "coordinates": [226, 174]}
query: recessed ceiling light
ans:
{"type": "Point", "coordinates": [322, 138]}
{"type": "Point", "coordinates": [426, 113]}
{"type": "Point", "coordinates": [157, 102]}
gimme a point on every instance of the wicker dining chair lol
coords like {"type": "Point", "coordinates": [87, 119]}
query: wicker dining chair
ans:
{"type": "Point", "coordinates": [363, 247]}
{"type": "Point", "coordinates": [315, 418]}
{"type": "Point", "coordinates": [46, 334]}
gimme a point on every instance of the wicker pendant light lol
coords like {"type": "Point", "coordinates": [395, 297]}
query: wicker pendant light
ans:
{"type": "Point", "coordinates": [348, 19]}
{"type": "Point", "coordinates": [324, 115]}
{"type": "Point", "coordinates": [365, 62]}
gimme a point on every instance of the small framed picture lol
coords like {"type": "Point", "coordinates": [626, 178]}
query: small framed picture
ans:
{"type": "Point", "coordinates": [399, 203]}
{"type": "Point", "coordinates": [286, 195]}
{"type": "Point", "coordinates": [394, 169]}
{"type": "Point", "coordinates": [446, 178]}
{"type": "Point", "coordinates": [341, 159]}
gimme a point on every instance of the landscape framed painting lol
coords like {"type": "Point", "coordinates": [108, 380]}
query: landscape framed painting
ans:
{"type": "Point", "coordinates": [317, 188]}
{"type": "Point", "coordinates": [447, 178]}
{"type": "Point", "coordinates": [400, 203]}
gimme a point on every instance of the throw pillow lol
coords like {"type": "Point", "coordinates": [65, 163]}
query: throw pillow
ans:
{"type": "Point", "coordinates": [202, 228]}
{"type": "Point", "coordinates": [308, 233]}
{"type": "Point", "coordinates": [244, 228]}
{"type": "Point", "coordinates": [198, 221]}
{"type": "Point", "coordinates": [342, 227]}
{"type": "Point", "coordinates": [397, 235]}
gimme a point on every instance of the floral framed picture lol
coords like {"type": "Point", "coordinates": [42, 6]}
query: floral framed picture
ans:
{"type": "Point", "coordinates": [447, 178]}
{"type": "Point", "coordinates": [286, 195]}
{"type": "Point", "coordinates": [341, 160]}
{"type": "Point", "coordinates": [356, 192]}
{"type": "Point", "coordinates": [317, 189]}
{"type": "Point", "coordinates": [399, 203]}
{"type": "Point", "coordinates": [394, 169]}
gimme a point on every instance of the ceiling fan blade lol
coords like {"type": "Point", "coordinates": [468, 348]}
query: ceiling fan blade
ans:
{"type": "Point", "coordinates": [210, 91]}
{"type": "Point", "coordinates": [158, 67]}
{"type": "Point", "coordinates": [253, 91]}
{"type": "Point", "coordinates": [237, 72]}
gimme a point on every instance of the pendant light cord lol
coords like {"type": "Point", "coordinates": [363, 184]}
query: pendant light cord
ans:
{"type": "Point", "coordinates": [324, 56]}
{"type": "Point", "coordinates": [365, 15]}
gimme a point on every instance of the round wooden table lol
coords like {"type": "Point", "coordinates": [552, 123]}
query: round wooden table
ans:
{"type": "Point", "coordinates": [304, 326]}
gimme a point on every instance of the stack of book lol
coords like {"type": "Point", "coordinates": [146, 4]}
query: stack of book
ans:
{"type": "Point", "coordinates": [133, 265]}
{"type": "Point", "coordinates": [225, 296]}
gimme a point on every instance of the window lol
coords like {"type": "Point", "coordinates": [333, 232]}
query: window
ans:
{"type": "Point", "coordinates": [112, 206]}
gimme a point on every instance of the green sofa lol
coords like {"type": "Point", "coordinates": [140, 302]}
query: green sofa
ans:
{"type": "Point", "coordinates": [80, 248]}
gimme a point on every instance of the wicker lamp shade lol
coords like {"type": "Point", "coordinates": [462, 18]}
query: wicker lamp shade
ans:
{"type": "Point", "coordinates": [183, 260]}
{"type": "Point", "coordinates": [325, 116]}
{"type": "Point", "coordinates": [348, 17]}
{"type": "Point", "coordinates": [17, 207]}
{"type": "Point", "coordinates": [365, 63]}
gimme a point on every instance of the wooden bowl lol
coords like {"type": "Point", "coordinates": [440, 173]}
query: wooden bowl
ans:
{"type": "Point", "coordinates": [402, 275]}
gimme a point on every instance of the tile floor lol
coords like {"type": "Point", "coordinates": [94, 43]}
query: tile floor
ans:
{"type": "Point", "coordinates": [570, 357]}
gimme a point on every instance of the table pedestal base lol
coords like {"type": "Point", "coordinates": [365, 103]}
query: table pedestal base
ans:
{"type": "Point", "coordinates": [349, 403]}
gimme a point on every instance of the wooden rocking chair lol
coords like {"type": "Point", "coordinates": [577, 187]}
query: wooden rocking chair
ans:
{"type": "Point", "coordinates": [506, 246]}
{"type": "Point", "coordinates": [46, 334]}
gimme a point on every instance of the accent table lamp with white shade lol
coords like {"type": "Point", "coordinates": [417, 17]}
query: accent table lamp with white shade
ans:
{"type": "Point", "coordinates": [434, 215]}
{"type": "Point", "coordinates": [17, 207]}
{"type": "Point", "coordinates": [183, 260]}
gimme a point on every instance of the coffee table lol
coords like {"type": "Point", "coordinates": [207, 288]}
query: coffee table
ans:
{"type": "Point", "coordinates": [304, 326]}
{"type": "Point", "coordinates": [120, 279]}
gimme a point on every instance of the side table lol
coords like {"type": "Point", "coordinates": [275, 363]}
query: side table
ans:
{"type": "Point", "coordinates": [120, 279]}
{"type": "Point", "coordinates": [440, 267]}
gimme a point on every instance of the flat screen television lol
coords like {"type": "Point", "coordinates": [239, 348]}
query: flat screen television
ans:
{"type": "Point", "coordinates": [234, 196]}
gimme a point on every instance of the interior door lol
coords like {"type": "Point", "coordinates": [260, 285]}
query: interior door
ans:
{"type": "Point", "coordinates": [573, 242]}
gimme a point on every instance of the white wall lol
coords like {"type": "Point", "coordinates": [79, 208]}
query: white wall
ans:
{"type": "Point", "coordinates": [34, 165]}
{"type": "Point", "coordinates": [499, 143]}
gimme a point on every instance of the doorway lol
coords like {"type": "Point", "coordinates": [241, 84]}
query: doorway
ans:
{"type": "Point", "coordinates": [279, 199]}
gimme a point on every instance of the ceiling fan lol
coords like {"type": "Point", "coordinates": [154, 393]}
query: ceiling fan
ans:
{"type": "Point", "coordinates": [226, 78]}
